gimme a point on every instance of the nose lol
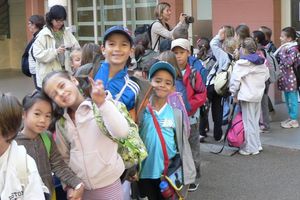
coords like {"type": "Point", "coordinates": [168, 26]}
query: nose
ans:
{"type": "Point", "coordinates": [60, 92]}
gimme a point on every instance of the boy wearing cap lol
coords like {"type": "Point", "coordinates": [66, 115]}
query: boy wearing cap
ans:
{"type": "Point", "coordinates": [196, 95]}
{"type": "Point", "coordinates": [162, 76]}
{"type": "Point", "coordinates": [117, 47]}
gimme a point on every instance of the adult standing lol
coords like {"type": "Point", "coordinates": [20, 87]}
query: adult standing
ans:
{"type": "Point", "coordinates": [35, 24]}
{"type": "Point", "coordinates": [160, 28]}
{"type": "Point", "coordinates": [53, 45]}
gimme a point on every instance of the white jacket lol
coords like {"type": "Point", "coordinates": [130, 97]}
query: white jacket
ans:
{"type": "Point", "coordinates": [19, 177]}
{"type": "Point", "coordinates": [248, 81]}
{"type": "Point", "coordinates": [44, 51]}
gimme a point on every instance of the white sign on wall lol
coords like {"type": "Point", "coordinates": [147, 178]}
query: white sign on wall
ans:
{"type": "Point", "coordinates": [57, 2]}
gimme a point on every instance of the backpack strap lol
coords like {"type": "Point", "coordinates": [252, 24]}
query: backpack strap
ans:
{"type": "Point", "coordinates": [47, 142]}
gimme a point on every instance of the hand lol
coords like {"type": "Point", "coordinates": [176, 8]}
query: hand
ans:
{"type": "Point", "coordinates": [221, 34]}
{"type": "Point", "coordinates": [98, 93]}
{"type": "Point", "coordinates": [182, 17]}
{"type": "Point", "coordinates": [133, 178]}
{"type": "Point", "coordinates": [235, 100]}
{"type": "Point", "coordinates": [61, 49]}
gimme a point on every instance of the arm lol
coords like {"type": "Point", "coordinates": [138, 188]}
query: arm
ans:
{"type": "Point", "coordinates": [235, 81]}
{"type": "Point", "coordinates": [199, 97]}
{"type": "Point", "coordinates": [288, 57]}
{"type": "Point", "coordinates": [41, 52]}
{"type": "Point", "coordinates": [35, 188]}
{"type": "Point", "coordinates": [219, 53]}
{"type": "Point", "coordinates": [162, 31]}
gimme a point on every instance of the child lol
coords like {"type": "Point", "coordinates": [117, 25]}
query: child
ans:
{"type": "Point", "coordinates": [19, 177]}
{"type": "Point", "coordinates": [287, 54]}
{"type": "Point", "coordinates": [270, 47]}
{"type": "Point", "coordinates": [90, 153]}
{"type": "Point", "coordinates": [247, 85]}
{"type": "Point", "coordinates": [196, 95]}
{"type": "Point", "coordinates": [36, 119]}
{"type": "Point", "coordinates": [117, 48]}
{"type": "Point", "coordinates": [75, 59]}
{"type": "Point", "coordinates": [162, 77]}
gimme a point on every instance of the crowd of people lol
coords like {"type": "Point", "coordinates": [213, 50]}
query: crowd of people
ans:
{"type": "Point", "coordinates": [167, 90]}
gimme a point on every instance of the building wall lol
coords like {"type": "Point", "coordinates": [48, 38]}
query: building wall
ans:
{"type": "Point", "coordinates": [11, 49]}
{"type": "Point", "coordinates": [254, 13]}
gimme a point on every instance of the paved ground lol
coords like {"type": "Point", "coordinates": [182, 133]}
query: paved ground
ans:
{"type": "Point", "coordinates": [272, 175]}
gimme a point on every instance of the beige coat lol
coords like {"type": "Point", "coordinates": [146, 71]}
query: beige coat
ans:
{"type": "Point", "coordinates": [45, 53]}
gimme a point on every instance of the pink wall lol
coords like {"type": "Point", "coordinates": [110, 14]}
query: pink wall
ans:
{"type": "Point", "coordinates": [254, 13]}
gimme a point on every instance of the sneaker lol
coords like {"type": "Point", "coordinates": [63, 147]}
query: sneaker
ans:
{"type": "Point", "coordinates": [193, 187]}
{"type": "Point", "coordinates": [260, 148]}
{"type": "Point", "coordinates": [202, 138]}
{"type": "Point", "coordinates": [245, 153]}
{"type": "Point", "coordinates": [285, 121]}
{"type": "Point", "coordinates": [264, 130]}
{"type": "Point", "coordinates": [290, 124]}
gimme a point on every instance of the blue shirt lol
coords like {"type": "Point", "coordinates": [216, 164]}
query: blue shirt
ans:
{"type": "Point", "coordinates": [153, 165]}
{"type": "Point", "coordinates": [116, 84]}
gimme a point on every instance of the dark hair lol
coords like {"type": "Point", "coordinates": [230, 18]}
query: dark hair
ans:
{"type": "Point", "coordinates": [267, 31]}
{"type": "Point", "coordinates": [169, 56]}
{"type": "Point", "coordinates": [10, 116]}
{"type": "Point", "coordinates": [203, 46]}
{"type": "Point", "coordinates": [290, 32]}
{"type": "Point", "coordinates": [56, 12]}
{"type": "Point", "coordinates": [29, 100]}
{"type": "Point", "coordinates": [249, 45]}
{"type": "Point", "coordinates": [141, 42]}
{"type": "Point", "coordinates": [180, 32]}
{"type": "Point", "coordinates": [38, 21]}
{"type": "Point", "coordinates": [260, 37]}
{"type": "Point", "coordinates": [89, 52]}
{"type": "Point", "coordinates": [242, 31]}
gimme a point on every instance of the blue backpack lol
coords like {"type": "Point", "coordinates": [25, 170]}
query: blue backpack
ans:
{"type": "Point", "coordinates": [196, 66]}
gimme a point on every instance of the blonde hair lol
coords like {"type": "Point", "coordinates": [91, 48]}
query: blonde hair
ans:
{"type": "Point", "coordinates": [160, 7]}
{"type": "Point", "coordinates": [249, 45]}
{"type": "Point", "coordinates": [230, 44]}
{"type": "Point", "coordinates": [74, 52]}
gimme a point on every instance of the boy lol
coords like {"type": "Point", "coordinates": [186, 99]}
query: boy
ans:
{"type": "Point", "coordinates": [270, 47]}
{"type": "Point", "coordinates": [162, 77]}
{"type": "Point", "coordinates": [196, 95]}
{"type": "Point", "coordinates": [19, 177]}
{"type": "Point", "coordinates": [117, 47]}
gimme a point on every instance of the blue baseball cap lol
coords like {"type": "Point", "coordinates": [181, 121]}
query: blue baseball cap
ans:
{"type": "Point", "coordinates": [117, 29]}
{"type": "Point", "coordinates": [162, 65]}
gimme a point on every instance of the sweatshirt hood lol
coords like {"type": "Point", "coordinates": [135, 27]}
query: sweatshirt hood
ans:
{"type": "Point", "coordinates": [253, 58]}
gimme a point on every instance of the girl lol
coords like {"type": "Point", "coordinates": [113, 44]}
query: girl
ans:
{"type": "Point", "coordinates": [89, 153]}
{"type": "Point", "coordinates": [247, 84]}
{"type": "Point", "coordinates": [52, 47]}
{"type": "Point", "coordinates": [36, 119]}
{"type": "Point", "coordinates": [19, 177]}
{"type": "Point", "coordinates": [75, 59]}
{"type": "Point", "coordinates": [287, 55]}
{"type": "Point", "coordinates": [162, 76]}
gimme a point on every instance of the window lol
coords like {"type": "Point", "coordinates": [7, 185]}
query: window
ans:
{"type": "Point", "coordinates": [4, 20]}
{"type": "Point", "coordinates": [110, 13]}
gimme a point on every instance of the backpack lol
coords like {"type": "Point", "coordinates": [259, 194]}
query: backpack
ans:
{"type": "Point", "coordinates": [196, 67]}
{"type": "Point", "coordinates": [273, 65]}
{"type": "Point", "coordinates": [47, 142]}
{"type": "Point", "coordinates": [146, 28]}
{"type": "Point", "coordinates": [236, 133]}
{"type": "Point", "coordinates": [296, 69]}
{"type": "Point", "coordinates": [131, 149]}
{"type": "Point", "coordinates": [147, 60]}
{"type": "Point", "coordinates": [24, 60]}
{"type": "Point", "coordinates": [222, 79]}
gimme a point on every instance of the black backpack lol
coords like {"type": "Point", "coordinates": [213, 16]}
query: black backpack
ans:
{"type": "Point", "coordinates": [24, 61]}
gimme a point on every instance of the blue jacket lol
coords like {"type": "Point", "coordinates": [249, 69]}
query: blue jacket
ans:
{"type": "Point", "coordinates": [116, 84]}
{"type": "Point", "coordinates": [196, 64]}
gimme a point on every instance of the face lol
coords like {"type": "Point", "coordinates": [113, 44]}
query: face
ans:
{"type": "Point", "coordinates": [181, 56]}
{"type": "Point", "coordinates": [63, 92]}
{"type": "Point", "coordinates": [283, 38]}
{"type": "Point", "coordinates": [162, 83]}
{"type": "Point", "coordinates": [38, 118]}
{"type": "Point", "coordinates": [166, 14]}
{"type": "Point", "coordinates": [117, 49]}
{"type": "Point", "coordinates": [32, 27]}
{"type": "Point", "coordinates": [57, 24]}
{"type": "Point", "coordinates": [76, 61]}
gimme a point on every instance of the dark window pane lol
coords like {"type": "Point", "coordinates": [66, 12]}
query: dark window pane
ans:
{"type": "Point", "coordinates": [84, 3]}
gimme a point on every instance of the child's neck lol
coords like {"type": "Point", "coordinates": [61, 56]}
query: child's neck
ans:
{"type": "Point", "coordinates": [158, 103]}
{"type": "Point", "coordinates": [3, 148]}
{"type": "Point", "coordinates": [29, 134]}
{"type": "Point", "coordinates": [183, 67]}
{"type": "Point", "coordinates": [114, 69]}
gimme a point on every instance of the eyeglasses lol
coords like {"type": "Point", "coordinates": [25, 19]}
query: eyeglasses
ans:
{"type": "Point", "coordinates": [59, 20]}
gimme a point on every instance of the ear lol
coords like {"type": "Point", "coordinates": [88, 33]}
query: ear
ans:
{"type": "Point", "coordinates": [74, 80]}
{"type": "Point", "coordinates": [103, 49]}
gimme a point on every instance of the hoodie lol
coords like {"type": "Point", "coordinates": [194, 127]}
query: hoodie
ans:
{"type": "Point", "coordinates": [248, 78]}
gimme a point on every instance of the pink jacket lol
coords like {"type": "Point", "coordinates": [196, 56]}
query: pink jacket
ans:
{"type": "Point", "coordinates": [89, 153]}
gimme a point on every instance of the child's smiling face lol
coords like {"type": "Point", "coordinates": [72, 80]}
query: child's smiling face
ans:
{"type": "Point", "coordinates": [162, 83]}
{"type": "Point", "coordinates": [117, 49]}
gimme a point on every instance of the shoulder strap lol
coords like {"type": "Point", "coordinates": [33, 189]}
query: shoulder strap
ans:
{"type": "Point", "coordinates": [47, 142]}
{"type": "Point", "coordinates": [162, 140]}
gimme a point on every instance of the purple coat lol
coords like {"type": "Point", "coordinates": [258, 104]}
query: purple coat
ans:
{"type": "Point", "coordinates": [287, 59]}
